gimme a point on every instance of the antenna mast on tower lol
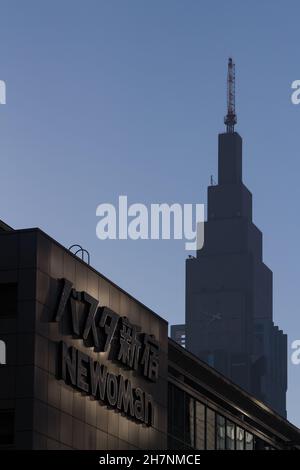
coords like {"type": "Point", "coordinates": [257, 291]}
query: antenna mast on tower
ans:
{"type": "Point", "coordinates": [230, 119]}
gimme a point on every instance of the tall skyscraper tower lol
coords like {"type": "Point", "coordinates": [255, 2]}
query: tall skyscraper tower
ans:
{"type": "Point", "coordinates": [229, 312]}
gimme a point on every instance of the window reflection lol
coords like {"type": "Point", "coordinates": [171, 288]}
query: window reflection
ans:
{"type": "Point", "coordinates": [240, 437]}
{"type": "Point", "coordinates": [230, 435]}
{"type": "Point", "coordinates": [189, 427]}
{"type": "Point", "coordinates": [193, 425]}
{"type": "Point", "coordinates": [249, 441]}
{"type": "Point", "coordinates": [220, 432]}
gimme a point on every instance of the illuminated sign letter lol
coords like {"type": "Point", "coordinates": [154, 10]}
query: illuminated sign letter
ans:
{"type": "Point", "coordinates": [2, 352]}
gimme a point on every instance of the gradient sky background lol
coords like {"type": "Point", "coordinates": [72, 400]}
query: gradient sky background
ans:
{"type": "Point", "coordinates": [127, 97]}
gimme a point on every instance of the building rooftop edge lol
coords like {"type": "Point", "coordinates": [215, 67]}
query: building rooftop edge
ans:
{"type": "Point", "coordinates": [254, 401]}
{"type": "Point", "coordinates": [40, 231]}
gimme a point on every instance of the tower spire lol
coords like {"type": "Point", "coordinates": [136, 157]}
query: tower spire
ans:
{"type": "Point", "coordinates": [230, 118]}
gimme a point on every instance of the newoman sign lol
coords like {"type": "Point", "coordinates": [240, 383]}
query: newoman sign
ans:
{"type": "Point", "coordinates": [104, 330]}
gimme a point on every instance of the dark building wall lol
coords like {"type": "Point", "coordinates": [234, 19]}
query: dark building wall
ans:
{"type": "Point", "coordinates": [207, 411]}
{"type": "Point", "coordinates": [229, 289]}
{"type": "Point", "coordinates": [48, 413]}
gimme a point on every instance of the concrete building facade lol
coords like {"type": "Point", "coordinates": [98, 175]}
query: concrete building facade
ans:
{"type": "Point", "coordinates": [62, 387]}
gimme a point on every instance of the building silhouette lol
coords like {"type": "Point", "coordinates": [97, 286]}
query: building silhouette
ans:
{"type": "Point", "coordinates": [229, 312]}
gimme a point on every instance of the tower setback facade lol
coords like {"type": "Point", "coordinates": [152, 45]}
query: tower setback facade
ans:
{"type": "Point", "coordinates": [229, 312]}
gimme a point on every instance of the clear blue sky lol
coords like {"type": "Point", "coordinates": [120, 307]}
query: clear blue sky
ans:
{"type": "Point", "coordinates": [127, 97]}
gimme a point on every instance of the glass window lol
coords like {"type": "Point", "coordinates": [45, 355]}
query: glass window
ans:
{"type": "Point", "coordinates": [9, 299]}
{"type": "Point", "coordinates": [249, 441]}
{"type": "Point", "coordinates": [210, 429]}
{"type": "Point", "coordinates": [176, 412]}
{"type": "Point", "coordinates": [259, 444]}
{"type": "Point", "coordinates": [240, 438]}
{"type": "Point", "coordinates": [230, 435]}
{"type": "Point", "coordinates": [220, 432]}
{"type": "Point", "coordinates": [170, 407]}
{"type": "Point", "coordinates": [6, 427]}
{"type": "Point", "coordinates": [200, 423]}
{"type": "Point", "coordinates": [189, 428]}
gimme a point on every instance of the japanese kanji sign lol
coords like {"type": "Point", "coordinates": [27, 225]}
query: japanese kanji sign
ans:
{"type": "Point", "coordinates": [104, 330]}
